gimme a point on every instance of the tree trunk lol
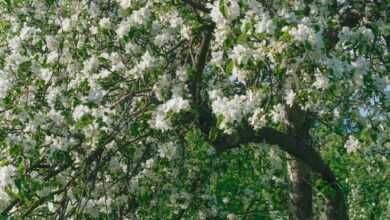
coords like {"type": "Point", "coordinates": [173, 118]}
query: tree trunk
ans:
{"type": "Point", "coordinates": [300, 191]}
{"type": "Point", "coordinates": [336, 207]}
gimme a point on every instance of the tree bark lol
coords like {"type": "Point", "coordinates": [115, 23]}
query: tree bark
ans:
{"type": "Point", "coordinates": [299, 190]}
{"type": "Point", "coordinates": [336, 207]}
{"type": "Point", "coordinates": [299, 149]}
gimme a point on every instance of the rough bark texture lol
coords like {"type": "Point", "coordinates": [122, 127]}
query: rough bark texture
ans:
{"type": "Point", "coordinates": [336, 207]}
{"type": "Point", "coordinates": [299, 190]}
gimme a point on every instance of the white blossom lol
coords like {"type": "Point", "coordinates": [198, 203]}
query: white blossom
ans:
{"type": "Point", "coordinates": [352, 144]}
{"type": "Point", "coordinates": [216, 57]}
{"type": "Point", "coordinates": [185, 32]}
{"type": "Point", "coordinates": [167, 150]}
{"type": "Point", "coordinates": [6, 179]}
{"type": "Point", "coordinates": [80, 111]}
{"type": "Point", "coordinates": [231, 216]}
{"type": "Point", "coordinates": [279, 114]}
{"type": "Point", "coordinates": [124, 3]}
{"type": "Point", "coordinates": [321, 82]}
{"type": "Point", "coordinates": [105, 23]}
{"type": "Point", "coordinates": [233, 110]}
{"type": "Point", "coordinates": [4, 85]}
{"type": "Point", "coordinates": [15, 44]}
{"type": "Point", "coordinates": [264, 25]}
{"type": "Point", "coordinates": [175, 105]}
{"type": "Point", "coordinates": [361, 65]}
{"type": "Point", "coordinates": [96, 95]}
{"type": "Point", "coordinates": [123, 28]}
{"type": "Point", "coordinates": [241, 54]}
{"type": "Point", "coordinates": [290, 97]}
{"type": "Point", "coordinates": [162, 39]}
{"type": "Point", "coordinates": [258, 119]}
{"type": "Point", "coordinates": [66, 24]}
{"type": "Point", "coordinates": [52, 57]}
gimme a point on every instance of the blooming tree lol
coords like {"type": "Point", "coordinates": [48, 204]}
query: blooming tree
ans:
{"type": "Point", "coordinates": [212, 109]}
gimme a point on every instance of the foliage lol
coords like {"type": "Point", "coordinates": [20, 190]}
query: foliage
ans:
{"type": "Point", "coordinates": [113, 109]}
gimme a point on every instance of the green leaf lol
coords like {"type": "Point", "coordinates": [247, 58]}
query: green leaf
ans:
{"type": "Point", "coordinates": [230, 66]}
{"type": "Point", "coordinates": [223, 8]}
{"type": "Point", "coordinates": [213, 134]}
{"type": "Point", "coordinates": [50, 2]}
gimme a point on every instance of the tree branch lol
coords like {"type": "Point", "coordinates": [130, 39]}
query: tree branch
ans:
{"type": "Point", "coordinates": [288, 143]}
{"type": "Point", "coordinates": [297, 147]}
{"type": "Point", "coordinates": [200, 63]}
{"type": "Point", "coordinates": [197, 6]}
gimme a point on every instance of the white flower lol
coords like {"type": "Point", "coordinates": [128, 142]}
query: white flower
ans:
{"type": "Point", "coordinates": [80, 111]}
{"type": "Point", "coordinates": [45, 74]}
{"type": "Point", "coordinates": [290, 97]}
{"type": "Point", "coordinates": [265, 25]}
{"type": "Point", "coordinates": [167, 150]}
{"type": "Point", "coordinates": [181, 74]}
{"type": "Point", "coordinates": [279, 114]}
{"type": "Point", "coordinates": [160, 122]}
{"type": "Point", "coordinates": [4, 86]}
{"type": "Point", "coordinates": [345, 34]}
{"type": "Point", "coordinates": [51, 43]}
{"type": "Point", "coordinates": [140, 16]}
{"type": "Point", "coordinates": [337, 65]}
{"type": "Point", "coordinates": [104, 23]}
{"type": "Point", "coordinates": [116, 62]}
{"type": "Point", "coordinates": [162, 39]}
{"type": "Point", "coordinates": [216, 14]}
{"type": "Point", "coordinates": [149, 163]}
{"type": "Point", "coordinates": [239, 74]}
{"type": "Point", "coordinates": [225, 200]}
{"type": "Point", "coordinates": [301, 32]}
{"type": "Point", "coordinates": [234, 9]}
{"type": "Point", "coordinates": [185, 32]}
{"type": "Point", "coordinates": [66, 24]}
{"type": "Point", "coordinates": [234, 109]}
{"type": "Point", "coordinates": [52, 57]}
{"type": "Point", "coordinates": [123, 28]}
{"type": "Point", "coordinates": [361, 65]}
{"type": "Point", "coordinates": [321, 81]}
{"type": "Point", "coordinates": [27, 32]}
{"type": "Point", "coordinates": [241, 54]}
{"type": "Point", "coordinates": [258, 119]}
{"type": "Point", "coordinates": [103, 74]}
{"type": "Point", "coordinates": [6, 174]}
{"type": "Point", "coordinates": [124, 3]}
{"type": "Point", "coordinates": [174, 105]}
{"type": "Point", "coordinates": [90, 64]}
{"type": "Point", "coordinates": [216, 57]}
{"type": "Point", "coordinates": [15, 44]}
{"type": "Point", "coordinates": [147, 61]}
{"type": "Point", "coordinates": [96, 95]}
{"type": "Point", "coordinates": [175, 20]}
{"type": "Point", "coordinates": [352, 144]}
{"type": "Point", "coordinates": [231, 216]}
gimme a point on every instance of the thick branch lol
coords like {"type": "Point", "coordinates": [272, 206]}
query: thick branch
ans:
{"type": "Point", "coordinates": [200, 64]}
{"type": "Point", "coordinates": [289, 144]}
{"type": "Point", "coordinates": [198, 6]}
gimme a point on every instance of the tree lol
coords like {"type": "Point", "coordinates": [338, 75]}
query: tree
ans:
{"type": "Point", "coordinates": [184, 109]}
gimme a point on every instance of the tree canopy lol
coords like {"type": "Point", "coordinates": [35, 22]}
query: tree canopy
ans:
{"type": "Point", "coordinates": [194, 109]}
